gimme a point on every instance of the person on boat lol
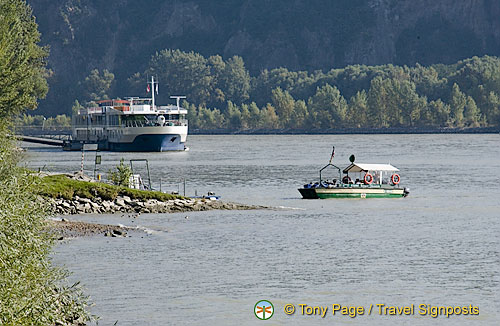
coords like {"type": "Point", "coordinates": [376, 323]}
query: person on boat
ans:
{"type": "Point", "coordinates": [347, 179]}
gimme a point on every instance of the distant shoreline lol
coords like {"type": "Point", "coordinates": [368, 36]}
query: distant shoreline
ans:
{"type": "Point", "coordinates": [348, 131]}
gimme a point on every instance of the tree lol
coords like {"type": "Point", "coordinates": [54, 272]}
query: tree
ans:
{"type": "Point", "coordinates": [489, 105]}
{"type": "Point", "coordinates": [471, 113]}
{"type": "Point", "coordinates": [217, 67]}
{"type": "Point", "coordinates": [121, 177]}
{"type": "Point", "coordinates": [284, 104]}
{"type": "Point", "coordinates": [31, 292]}
{"type": "Point", "coordinates": [268, 118]}
{"type": "Point", "coordinates": [185, 73]}
{"type": "Point", "coordinates": [233, 116]}
{"type": "Point", "coordinates": [299, 115]}
{"type": "Point", "coordinates": [254, 115]}
{"type": "Point", "coordinates": [357, 113]}
{"type": "Point", "coordinates": [97, 85]}
{"type": "Point", "coordinates": [245, 117]}
{"type": "Point", "coordinates": [458, 102]}
{"type": "Point", "coordinates": [269, 80]}
{"type": "Point", "coordinates": [210, 119]}
{"type": "Point", "coordinates": [438, 113]}
{"type": "Point", "coordinates": [493, 109]}
{"type": "Point", "coordinates": [407, 103]}
{"type": "Point", "coordinates": [235, 80]}
{"type": "Point", "coordinates": [22, 61]}
{"type": "Point", "coordinates": [76, 107]}
{"type": "Point", "coordinates": [330, 107]}
{"type": "Point", "coordinates": [192, 115]}
{"type": "Point", "coordinates": [378, 97]}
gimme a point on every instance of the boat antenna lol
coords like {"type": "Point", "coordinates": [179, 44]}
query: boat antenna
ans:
{"type": "Point", "coordinates": [333, 154]}
{"type": "Point", "coordinates": [153, 91]}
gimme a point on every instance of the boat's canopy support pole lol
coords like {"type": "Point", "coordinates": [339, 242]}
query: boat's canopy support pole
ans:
{"type": "Point", "coordinates": [329, 164]}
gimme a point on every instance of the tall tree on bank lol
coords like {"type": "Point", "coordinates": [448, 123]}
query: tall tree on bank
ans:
{"type": "Point", "coordinates": [378, 99]}
{"type": "Point", "coordinates": [329, 107]}
{"type": "Point", "coordinates": [97, 85]}
{"type": "Point", "coordinates": [284, 104]}
{"type": "Point", "coordinates": [22, 60]}
{"type": "Point", "coordinates": [358, 110]}
{"type": "Point", "coordinates": [31, 292]}
{"type": "Point", "coordinates": [458, 101]}
{"type": "Point", "coordinates": [182, 73]}
{"type": "Point", "coordinates": [235, 80]}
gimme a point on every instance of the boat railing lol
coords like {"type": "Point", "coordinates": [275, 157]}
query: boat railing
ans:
{"type": "Point", "coordinates": [326, 184]}
{"type": "Point", "coordinates": [153, 123]}
{"type": "Point", "coordinates": [373, 185]}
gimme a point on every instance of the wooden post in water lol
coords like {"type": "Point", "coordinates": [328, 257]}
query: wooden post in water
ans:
{"type": "Point", "coordinates": [81, 167]}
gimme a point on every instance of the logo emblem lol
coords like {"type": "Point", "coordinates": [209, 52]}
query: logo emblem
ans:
{"type": "Point", "coordinates": [263, 310]}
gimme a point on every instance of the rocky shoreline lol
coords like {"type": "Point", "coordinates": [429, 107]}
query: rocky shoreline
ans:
{"type": "Point", "coordinates": [125, 204]}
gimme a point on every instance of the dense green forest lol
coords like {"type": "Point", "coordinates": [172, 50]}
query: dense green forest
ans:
{"type": "Point", "coordinates": [222, 94]}
{"type": "Point", "coordinates": [300, 65]}
{"type": "Point", "coordinates": [301, 36]}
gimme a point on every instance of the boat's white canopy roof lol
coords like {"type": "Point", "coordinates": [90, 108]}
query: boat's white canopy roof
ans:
{"type": "Point", "coordinates": [364, 167]}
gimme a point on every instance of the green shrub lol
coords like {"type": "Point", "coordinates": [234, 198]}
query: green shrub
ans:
{"type": "Point", "coordinates": [122, 175]}
{"type": "Point", "coordinates": [60, 186]}
{"type": "Point", "coordinates": [32, 291]}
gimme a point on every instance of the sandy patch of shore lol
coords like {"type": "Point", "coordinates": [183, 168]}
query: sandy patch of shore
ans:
{"type": "Point", "coordinates": [63, 229]}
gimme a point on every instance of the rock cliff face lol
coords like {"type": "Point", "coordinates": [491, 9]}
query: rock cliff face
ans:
{"type": "Point", "coordinates": [122, 35]}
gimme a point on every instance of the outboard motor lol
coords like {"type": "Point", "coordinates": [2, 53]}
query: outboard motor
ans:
{"type": "Point", "coordinates": [161, 120]}
{"type": "Point", "coordinates": [406, 192]}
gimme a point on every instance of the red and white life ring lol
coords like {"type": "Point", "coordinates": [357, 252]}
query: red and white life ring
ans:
{"type": "Point", "coordinates": [368, 178]}
{"type": "Point", "coordinates": [395, 178]}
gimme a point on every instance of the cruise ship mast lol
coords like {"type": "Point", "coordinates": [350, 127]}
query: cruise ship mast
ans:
{"type": "Point", "coordinates": [153, 90]}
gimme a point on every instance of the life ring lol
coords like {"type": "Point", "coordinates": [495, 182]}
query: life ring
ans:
{"type": "Point", "coordinates": [368, 178]}
{"type": "Point", "coordinates": [395, 178]}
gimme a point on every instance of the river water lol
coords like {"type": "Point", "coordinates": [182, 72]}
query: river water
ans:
{"type": "Point", "coordinates": [440, 246]}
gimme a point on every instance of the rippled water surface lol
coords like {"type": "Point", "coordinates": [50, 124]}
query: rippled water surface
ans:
{"type": "Point", "coordinates": [439, 246]}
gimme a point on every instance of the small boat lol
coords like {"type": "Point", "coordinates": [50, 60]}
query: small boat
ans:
{"type": "Point", "coordinates": [210, 195]}
{"type": "Point", "coordinates": [360, 180]}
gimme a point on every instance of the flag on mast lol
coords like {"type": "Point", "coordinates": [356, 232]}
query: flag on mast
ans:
{"type": "Point", "coordinates": [148, 89]}
{"type": "Point", "coordinates": [333, 154]}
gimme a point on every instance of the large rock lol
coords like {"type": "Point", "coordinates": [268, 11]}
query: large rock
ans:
{"type": "Point", "coordinates": [120, 202]}
{"type": "Point", "coordinates": [85, 200]}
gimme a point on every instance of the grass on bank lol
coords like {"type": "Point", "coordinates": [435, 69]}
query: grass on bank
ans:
{"type": "Point", "coordinates": [61, 186]}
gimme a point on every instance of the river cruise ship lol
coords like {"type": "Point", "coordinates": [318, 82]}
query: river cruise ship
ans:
{"type": "Point", "coordinates": [131, 125]}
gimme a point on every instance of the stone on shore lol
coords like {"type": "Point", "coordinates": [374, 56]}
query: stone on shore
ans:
{"type": "Point", "coordinates": [125, 204]}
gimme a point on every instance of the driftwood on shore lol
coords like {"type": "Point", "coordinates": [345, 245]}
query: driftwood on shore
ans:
{"type": "Point", "coordinates": [124, 204]}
